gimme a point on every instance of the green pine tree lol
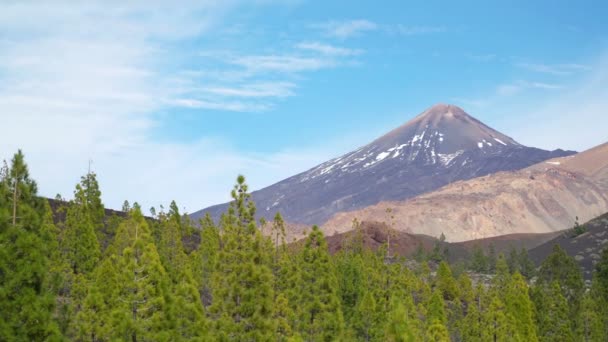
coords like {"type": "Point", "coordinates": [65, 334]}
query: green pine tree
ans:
{"type": "Point", "coordinates": [79, 242]}
{"type": "Point", "coordinates": [479, 261]}
{"type": "Point", "coordinates": [445, 282]}
{"type": "Point", "coordinates": [497, 323]}
{"type": "Point", "coordinates": [188, 311]}
{"type": "Point", "coordinates": [319, 306]}
{"type": "Point", "coordinates": [591, 325]}
{"type": "Point", "coordinates": [398, 326]}
{"type": "Point", "coordinates": [436, 318]}
{"type": "Point", "coordinates": [520, 307]}
{"type": "Point", "coordinates": [170, 247]}
{"type": "Point", "coordinates": [143, 301]}
{"type": "Point", "coordinates": [553, 316]}
{"type": "Point", "coordinates": [204, 259]}
{"type": "Point", "coordinates": [26, 302]}
{"type": "Point", "coordinates": [243, 282]}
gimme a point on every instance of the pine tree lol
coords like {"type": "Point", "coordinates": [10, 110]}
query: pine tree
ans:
{"type": "Point", "coordinates": [398, 327]}
{"type": "Point", "coordinates": [479, 262]}
{"type": "Point", "coordinates": [502, 276]}
{"type": "Point", "coordinates": [350, 273]}
{"type": "Point", "coordinates": [591, 325]}
{"type": "Point", "coordinates": [513, 260]}
{"type": "Point", "coordinates": [204, 260]}
{"type": "Point", "coordinates": [126, 207]}
{"type": "Point", "coordinates": [26, 302]}
{"type": "Point", "coordinates": [283, 316]}
{"type": "Point", "coordinates": [420, 253]}
{"type": "Point", "coordinates": [79, 242]}
{"type": "Point", "coordinates": [439, 251]}
{"type": "Point", "coordinates": [143, 301]}
{"type": "Point", "coordinates": [553, 316]}
{"type": "Point", "coordinates": [491, 258]}
{"type": "Point", "coordinates": [365, 319]}
{"type": "Point", "coordinates": [445, 282]}
{"type": "Point", "coordinates": [601, 275]}
{"type": "Point", "coordinates": [170, 247]}
{"type": "Point", "coordinates": [436, 318]}
{"type": "Point", "coordinates": [471, 326]}
{"type": "Point", "coordinates": [497, 323]}
{"type": "Point", "coordinates": [526, 266]}
{"type": "Point", "coordinates": [59, 277]}
{"type": "Point", "coordinates": [278, 235]}
{"type": "Point", "coordinates": [91, 199]}
{"type": "Point", "coordinates": [243, 283]}
{"type": "Point", "coordinates": [94, 321]}
{"type": "Point", "coordinates": [319, 306]}
{"type": "Point", "coordinates": [188, 312]}
{"type": "Point", "coordinates": [559, 267]}
{"type": "Point", "coordinates": [520, 308]}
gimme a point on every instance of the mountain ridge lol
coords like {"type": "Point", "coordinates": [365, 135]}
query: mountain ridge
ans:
{"type": "Point", "coordinates": [441, 145]}
{"type": "Point", "coordinates": [542, 198]}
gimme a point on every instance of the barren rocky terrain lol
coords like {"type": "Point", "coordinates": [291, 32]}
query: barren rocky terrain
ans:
{"type": "Point", "coordinates": [543, 198]}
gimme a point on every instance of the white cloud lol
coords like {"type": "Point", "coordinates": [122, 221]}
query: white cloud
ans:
{"type": "Point", "coordinates": [557, 69]}
{"type": "Point", "coordinates": [282, 63]}
{"type": "Point", "coordinates": [82, 81]}
{"type": "Point", "coordinates": [573, 118]}
{"type": "Point", "coordinates": [567, 115]}
{"type": "Point", "coordinates": [265, 89]}
{"type": "Point", "coordinates": [416, 30]}
{"type": "Point", "coordinates": [328, 50]}
{"type": "Point", "coordinates": [511, 89]}
{"type": "Point", "coordinates": [347, 28]}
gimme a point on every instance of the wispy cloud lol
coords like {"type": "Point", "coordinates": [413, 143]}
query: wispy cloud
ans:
{"type": "Point", "coordinates": [282, 63]}
{"type": "Point", "coordinates": [267, 89]}
{"type": "Point", "coordinates": [566, 120]}
{"type": "Point", "coordinates": [506, 91]}
{"type": "Point", "coordinates": [510, 89]}
{"type": "Point", "coordinates": [555, 69]}
{"type": "Point", "coordinates": [346, 28]}
{"type": "Point", "coordinates": [416, 30]}
{"type": "Point", "coordinates": [82, 81]}
{"type": "Point", "coordinates": [327, 49]}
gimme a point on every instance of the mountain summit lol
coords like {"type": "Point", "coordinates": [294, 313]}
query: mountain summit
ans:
{"type": "Point", "coordinates": [441, 145]}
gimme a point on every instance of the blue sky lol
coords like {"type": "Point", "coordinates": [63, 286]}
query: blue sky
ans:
{"type": "Point", "coordinates": [172, 102]}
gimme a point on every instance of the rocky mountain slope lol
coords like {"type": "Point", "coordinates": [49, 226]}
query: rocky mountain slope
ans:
{"type": "Point", "coordinates": [440, 146]}
{"type": "Point", "coordinates": [540, 199]}
{"type": "Point", "coordinates": [585, 248]}
{"type": "Point", "coordinates": [375, 235]}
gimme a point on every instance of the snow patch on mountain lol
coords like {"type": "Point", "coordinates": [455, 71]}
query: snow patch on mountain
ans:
{"type": "Point", "coordinates": [500, 141]}
{"type": "Point", "coordinates": [445, 159]}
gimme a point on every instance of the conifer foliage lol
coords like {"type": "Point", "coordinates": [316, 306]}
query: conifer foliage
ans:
{"type": "Point", "coordinates": [162, 278]}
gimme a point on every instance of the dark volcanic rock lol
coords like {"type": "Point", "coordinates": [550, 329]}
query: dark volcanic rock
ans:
{"type": "Point", "coordinates": [586, 248]}
{"type": "Point", "coordinates": [442, 145]}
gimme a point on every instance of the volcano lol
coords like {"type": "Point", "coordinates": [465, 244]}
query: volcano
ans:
{"type": "Point", "coordinates": [443, 144]}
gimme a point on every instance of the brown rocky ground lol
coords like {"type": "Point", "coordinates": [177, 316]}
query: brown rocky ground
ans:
{"type": "Point", "coordinates": [375, 235]}
{"type": "Point", "coordinates": [543, 198]}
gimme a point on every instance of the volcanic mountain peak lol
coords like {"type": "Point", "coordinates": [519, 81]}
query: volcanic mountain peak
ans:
{"type": "Point", "coordinates": [442, 145]}
{"type": "Point", "coordinates": [449, 129]}
{"type": "Point", "coordinates": [441, 110]}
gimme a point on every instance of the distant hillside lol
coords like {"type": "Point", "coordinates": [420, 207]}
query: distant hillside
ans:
{"type": "Point", "coordinates": [543, 198]}
{"type": "Point", "coordinates": [59, 214]}
{"type": "Point", "coordinates": [585, 248]}
{"type": "Point", "coordinates": [375, 235]}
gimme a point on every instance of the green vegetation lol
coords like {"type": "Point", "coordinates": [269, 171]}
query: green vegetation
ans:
{"type": "Point", "coordinates": [577, 230]}
{"type": "Point", "coordinates": [95, 278]}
